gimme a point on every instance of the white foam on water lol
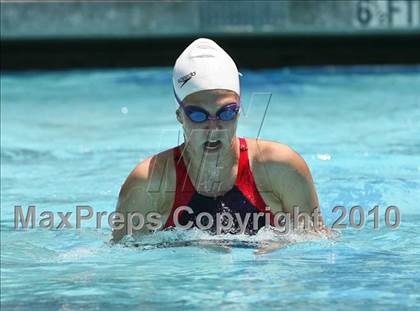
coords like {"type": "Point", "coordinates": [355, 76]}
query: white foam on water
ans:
{"type": "Point", "coordinates": [267, 239]}
{"type": "Point", "coordinates": [76, 254]}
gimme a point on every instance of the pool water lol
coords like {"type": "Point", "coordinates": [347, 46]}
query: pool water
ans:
{"type": "Point", "coordinates": [70, 138]}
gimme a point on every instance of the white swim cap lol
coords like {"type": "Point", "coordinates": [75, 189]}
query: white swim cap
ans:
{"type": "Point", "coordinates": [204, 66]}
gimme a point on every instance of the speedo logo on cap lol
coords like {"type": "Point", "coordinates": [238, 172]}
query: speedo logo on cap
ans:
{"type": "Point", "coordinates": [186, 78]}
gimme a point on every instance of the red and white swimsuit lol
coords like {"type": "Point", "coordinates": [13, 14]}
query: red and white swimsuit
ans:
{"type": "Point", "coordinates": [243, 198]}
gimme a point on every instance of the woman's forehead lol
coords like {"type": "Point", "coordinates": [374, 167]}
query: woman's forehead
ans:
{"type": "Point", "coordinates": [218, 97]}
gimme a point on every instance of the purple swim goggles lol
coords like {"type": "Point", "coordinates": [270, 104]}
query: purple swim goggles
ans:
{"type": "Point", "coordinates": [199, 115]}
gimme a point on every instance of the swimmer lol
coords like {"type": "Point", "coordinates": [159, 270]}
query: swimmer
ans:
{"type": "Point", "coordinates": [213, 171]}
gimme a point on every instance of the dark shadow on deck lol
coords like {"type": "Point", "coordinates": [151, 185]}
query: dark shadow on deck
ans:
{"type": "Point", "coordinates": [248, 51]}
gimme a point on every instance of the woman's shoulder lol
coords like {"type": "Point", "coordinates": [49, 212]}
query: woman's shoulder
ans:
{"type": "Point", "coordinates": [265, 151]}
{"type": "Point", "coordinates": [152, 171]}
{"type": "Point", "coordinates": [276, 158]}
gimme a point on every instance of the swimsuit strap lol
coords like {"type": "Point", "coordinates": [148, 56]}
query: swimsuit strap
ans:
{"type": "Point", "coordinates": [245, 180]}
{"type": "Point", "coordinates": [184, 187]}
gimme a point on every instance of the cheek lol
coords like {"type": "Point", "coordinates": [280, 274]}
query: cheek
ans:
{"type": "Point", "coordinates": [190, 126]}
{"type": "Point", "coordinates": [229, 130]}
{"type": "Point", "coordinates": [232, 126]}
{"type": "Point", "coordinates": [194, 131]}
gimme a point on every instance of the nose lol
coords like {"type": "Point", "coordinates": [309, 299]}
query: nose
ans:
{"type": "Point", "coordinates": [213, 123]}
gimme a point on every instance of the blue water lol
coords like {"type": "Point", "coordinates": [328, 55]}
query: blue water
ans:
{"type": "Point", "coordinates": [70, 138]}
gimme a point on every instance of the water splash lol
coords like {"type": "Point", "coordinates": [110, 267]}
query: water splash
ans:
{"type": "Point", "coordinates": [265, 241]}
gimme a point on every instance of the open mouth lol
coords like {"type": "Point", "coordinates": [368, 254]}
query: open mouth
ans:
{"type": "Point", "coordinates": [212, 145]}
